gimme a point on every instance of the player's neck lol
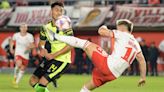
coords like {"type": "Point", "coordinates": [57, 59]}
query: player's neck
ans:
{"type": "Point", "coordinates": [23, 33]}
{"type": "Point", "coordinates": [53, 22]}
{"type": "Point", "coordinates": [126, 31]}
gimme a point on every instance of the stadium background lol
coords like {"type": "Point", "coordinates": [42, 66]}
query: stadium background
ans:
{"type": "Point", "coordinates": [86, 16]}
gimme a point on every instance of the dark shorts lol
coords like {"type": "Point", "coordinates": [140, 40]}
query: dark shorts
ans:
{"type": "Point", "coordinates": [51, 70]}
{"type": "Point", "coordinates": [10, 57]}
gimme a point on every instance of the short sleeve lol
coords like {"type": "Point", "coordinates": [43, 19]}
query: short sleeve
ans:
{"type": "Point", "coordinates": [116, 33]}
{"type": "Point", "coordinates": [42, 33]}
{"type": "Point", "coordinates": [14, 37]}
{"type": "Point", "coordinates": [138, 47]}
{"type": "Point", "coordinates": [31, 38]}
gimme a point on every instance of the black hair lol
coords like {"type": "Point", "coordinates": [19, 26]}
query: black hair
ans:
{"type": "Point", "coordinates": [128, 25]}
{"type": "Point", "coordinates": [57, 4]}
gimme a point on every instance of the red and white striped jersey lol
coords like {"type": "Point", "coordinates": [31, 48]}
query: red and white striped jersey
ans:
{"type": "Point", "coordinates": [124, 52]}
{"type": "Point", "coordinates": [22, 42]}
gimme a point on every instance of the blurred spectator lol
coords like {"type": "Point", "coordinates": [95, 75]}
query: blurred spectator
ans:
{"type": "Point", "coordinates": [162, 1]}
{"type": "Point", "coordinates": [34, 59]}
{"type": "Point", "coordinates": [153, 2]}
{"type": "Point", "coordinates": [145, 52]}
{"type": "Point", "coordinates": [143, 1]}
{"type": "Point", "coordinates": [153, 55]}
{"type": "Point", "coordinates": [135, 1]}
{"type": "Point", "coordinates": [134, 68]}
{"type": "Point", "coordinates": [4, 4]}
{"type": "Point", "coordinates": [52, 1]}
{"type": "Point", "coordinates": [79, 60]}
{"type": "Point", "coordinates": [21, 2]}
{"type": "Point", "coordinates": [10, 56]}
{"type": "Point", "coordinates": [89, 63]}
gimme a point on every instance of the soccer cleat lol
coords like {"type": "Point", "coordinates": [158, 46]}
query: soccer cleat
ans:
{"type": "Point", "coordinates": [14, 81]}
{"type": "Point", "coordinates": [15, 85]}
{"type": "Point", "coordinates": [54, 82]}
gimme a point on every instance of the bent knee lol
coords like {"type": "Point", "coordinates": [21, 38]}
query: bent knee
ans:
{"type": "Point", "coordinates": [43, 81]}
{"type": "Point", "coordinates": [33, 80]}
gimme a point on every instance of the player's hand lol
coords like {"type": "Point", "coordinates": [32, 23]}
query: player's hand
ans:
{"type": "Point", "coordinates": [104, 31]}
{"type": "Point", "coordinates": [103, 27]}
{"type": "Point", "coordinates": [141, 82]}
{"type": "Point", "coordinates": [42, 52]}
{"type": "Point", "coordinates": [49, 56]}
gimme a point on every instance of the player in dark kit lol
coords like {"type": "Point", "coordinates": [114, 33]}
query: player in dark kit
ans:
{"type": "Point", "coordinates": [59, 58]}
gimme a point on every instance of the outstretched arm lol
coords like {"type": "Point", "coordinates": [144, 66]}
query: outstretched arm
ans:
{"type": "Point", "coordinates": [104, 31]}
{"type": "Point", "coordinates": [142, 66]}
{"type": "Point", "coordinates": [31, 46]}
{"type": "Point", "coordinates": [60, 52]}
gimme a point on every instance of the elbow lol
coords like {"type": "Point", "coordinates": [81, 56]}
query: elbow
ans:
{"type": "Point", "coordinates": [102, 29]}
{"type": "Point", "coordinates": [142, 61]}
{"type": "Point", "coordinates": [99, 32]}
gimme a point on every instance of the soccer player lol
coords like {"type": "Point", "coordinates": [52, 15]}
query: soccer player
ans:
{"type": "Point", "coordinates": [109, 67]}
{"type": "Point", "coordinates": [24, 43]}
{"type": "Point", "coordinates": [60, 56]}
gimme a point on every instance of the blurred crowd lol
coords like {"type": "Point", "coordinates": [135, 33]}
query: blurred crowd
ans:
{"type": "Point", "coordinates": [151, 54]}
{"type": "Point", "coordinates": [82, 63]}
{"type": "Point", "coordinates": [5, 4]}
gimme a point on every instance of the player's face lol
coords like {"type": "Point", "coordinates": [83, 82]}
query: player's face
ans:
{"type": "Point", "coordinates": [56, 12]}
{"type": "Point", "coordinates": [23, 28]}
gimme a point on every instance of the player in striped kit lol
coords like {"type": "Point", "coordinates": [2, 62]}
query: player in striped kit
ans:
{"type": "Point", "coordinates": [109, 67]}
{"type": "Point", "coordinates": [24, 43]}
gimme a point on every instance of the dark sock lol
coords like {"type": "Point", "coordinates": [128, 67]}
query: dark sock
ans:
{"type": "Point", "coordinates": [34, 85]}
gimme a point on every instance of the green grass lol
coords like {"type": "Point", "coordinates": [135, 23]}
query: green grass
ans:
{"type": "Point", "coordinates": [73, 83]}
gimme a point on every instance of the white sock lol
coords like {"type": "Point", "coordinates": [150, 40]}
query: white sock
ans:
{"type": "Point", "coordinates": [19, 77]}
{"type": "Point", "coordinates": [84, 89]}
{"type": "Point", "coordinates": [15, 71]}
{"type": "Point", "coordinates": [72, 41]}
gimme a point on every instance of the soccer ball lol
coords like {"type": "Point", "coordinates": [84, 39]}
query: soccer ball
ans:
{"type": "Point", "coordinates": [63, 23]}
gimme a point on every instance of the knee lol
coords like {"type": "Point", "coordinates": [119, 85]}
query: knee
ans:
{"type": "Point", "coordinates": [33, 80]}
{"type": "Point", "coordinates": [22, 67]}
{"type": "Point", "coordinates": [43, 81]}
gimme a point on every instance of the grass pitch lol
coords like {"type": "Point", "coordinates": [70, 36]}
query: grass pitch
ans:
{"type": "Point", "coordinates": [73, 83]}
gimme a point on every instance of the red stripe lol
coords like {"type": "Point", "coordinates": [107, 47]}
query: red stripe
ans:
{"type": "Point", "coordinates": [86, 44]}
{"type": "Point", "coordinates": [131, 60]}
{"type": "Point", "coordinates": [112, 43]}
{"type": "Point", "coordinates": [128, 52]}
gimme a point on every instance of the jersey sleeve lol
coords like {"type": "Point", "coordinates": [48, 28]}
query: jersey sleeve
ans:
{"type": "Point", "coordinates": [42, 33]}
{"type": "Point", "coordinates": [31, 38]}
{"type": "Point", "coordinates": [14, 36]}
{"type": "Point", "coordinates": [116, 34]}
{"type": "Point", "coordinates": [138, 47]}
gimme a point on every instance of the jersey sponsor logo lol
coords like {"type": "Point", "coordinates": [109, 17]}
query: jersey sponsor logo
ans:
{"type": "Point", "coordinates": [52, 68]}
